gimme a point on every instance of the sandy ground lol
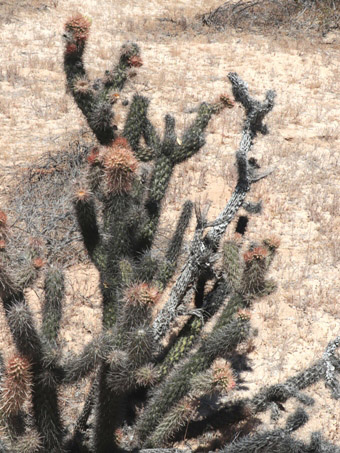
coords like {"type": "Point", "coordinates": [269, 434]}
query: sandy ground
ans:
{"type": "Point", "coordinates": [181, 68]}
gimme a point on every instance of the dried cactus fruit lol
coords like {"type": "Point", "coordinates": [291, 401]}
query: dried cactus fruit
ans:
{"type": "Point", "coordinates": [81, 86]}
{"type": "Point", "coordinates": [38, 263]}
{"type": "Point", "coordinates": [141, 294]}
{"type": "Point", "coordinates": [120, 167]}
{"type": "Point", "coordinates": [79, 27]}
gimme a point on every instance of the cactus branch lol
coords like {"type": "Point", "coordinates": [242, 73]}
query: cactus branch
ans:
{"type": "Point", "coordinates": [204, 245]}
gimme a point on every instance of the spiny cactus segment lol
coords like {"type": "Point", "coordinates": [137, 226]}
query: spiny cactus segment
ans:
{"type": "Point", "coordinates": [16, 386]}
{"type": "Point", "coordinates": [120, 166]}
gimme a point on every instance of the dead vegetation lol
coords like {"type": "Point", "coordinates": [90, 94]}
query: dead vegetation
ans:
{"type": "Point", "coordinates": [39, 205]}
{"type": "Point", "coordinates": [264, 16]}
{"type": "Point", "coordinates": [11, 10]}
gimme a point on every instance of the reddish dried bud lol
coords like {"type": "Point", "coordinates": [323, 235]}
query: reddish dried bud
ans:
{"type": "Point", "coordinates": [272, 242]}
{"type": "Point", "coordinates": [141, 294]}
{"type": "Point", "coordinates": [71, 48]}
{"type": "Point", "coordinates": [113, 97]}
{"type": "Point", "coordinates": [119, 435]}
{"type": "Point", "coordinates": [258, 253]}
{"type": "Point", "coordinates": [121, 142]}
{"type": "Point", "coordinates": [2, 244]}
{"type": "Point", "coordinates": [3, 219]}
{"type": "Point", "coordinates": [135, 61]}
{"type": "Point", "coordinates": [93, 157]}
{"type": "Point", "coordinates": [38, 263]}
{"type": "Point", "coordinates": [79, 26]}
{"type": "Point", "coordinates": [227, 101]}
{"type": "Point", "coordinates": [248, 256]}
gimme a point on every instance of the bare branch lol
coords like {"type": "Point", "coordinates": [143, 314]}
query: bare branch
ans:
{"type": "Point", "coordinates": [204, 246]}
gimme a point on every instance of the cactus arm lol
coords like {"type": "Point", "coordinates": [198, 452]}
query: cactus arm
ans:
{"type": "Point", "coordinates": [171, 256]}
{"type": "Point", "coordinates": [223, 340]}
{"type": "Point", "coordinates": [192, 329]}
{"type": "Point", "coordinates": [193, 138]}
{"type": "Point", "coordinates": [109, 414]}
{"type": "Point", "coordinates": [135, 125]}
{"type": "Point", "coordinates": [255, 113]}
{"type": "Point", "coordinates": [46, 408]}
{"type": "Point", "coordinates": [186, 278]}
{"type": "Point", "coordinates": [95, 100]}
{"type": "Point", "coordinates": [268, 397]}
{"type": "Point", "coordinates": [87, 221]}
{"type": "Point", "coordinates": [168, 154]}
{"type": "Point", "coordinates": [44, 385]}
{"type": "Point", "coordinates": [151, 136]}
{"type": "Point", "coordinates": [87, 409]}
{"type": "Point", "coordinates": [74, 368]}
{"type": "Point", "coordinates": [117, 77]}
{"type": "Point", "coordinates": [324, 369]}
{"type": "Point", "coordinates": [52, 310]}
{"type": "Point", "coordinates": [85, 210]}
{"type": "Point", "coordinates": [176, 242]}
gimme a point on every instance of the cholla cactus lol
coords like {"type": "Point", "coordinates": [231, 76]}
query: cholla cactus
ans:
{"type": "Point", "coordinates": [149, 382]}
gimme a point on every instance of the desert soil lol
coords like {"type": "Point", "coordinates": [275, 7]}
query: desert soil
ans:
{"type": "Point", "coordinates": [182, 67]}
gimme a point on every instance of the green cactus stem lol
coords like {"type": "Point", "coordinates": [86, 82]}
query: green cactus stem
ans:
{"type": "Point", "coordinates": [54, 289]}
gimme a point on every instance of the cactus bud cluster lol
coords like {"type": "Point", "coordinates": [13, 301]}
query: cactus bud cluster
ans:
{"type": "Point", "coordinates": [81, 86]}
{"type": "Point", "coordinates": [79, 27]}
{"type": "Point", "coordinates": [147, 375]}
{"type": "Point", "coordinates": [141, 294]}
{"type": "Point", "coordinates": [258, 253]}
{"type": "Point", "coordinates": [223, 376]}
{"type": "Point", "coordinates": [120, 166]}
{"type": "Point", "coordinates": [227, 101]}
